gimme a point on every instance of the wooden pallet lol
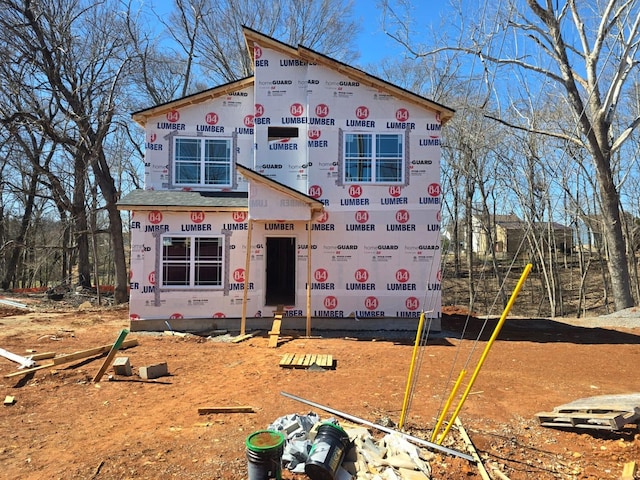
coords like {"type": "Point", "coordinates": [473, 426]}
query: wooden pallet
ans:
{"type": "Point", "coordinates": [605, 412]}
{"type": "Point", "coordinates": [305, 360]}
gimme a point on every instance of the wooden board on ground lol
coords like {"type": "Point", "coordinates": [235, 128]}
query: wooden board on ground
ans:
{"type": "Point", "coordinates": [603, 412]}
{"type": "Point", "coordinates": [238, 409]}
{"type": "Point", "coordinates": [246, 336]}
{"type": "Point", "coordinates": [306, 360]}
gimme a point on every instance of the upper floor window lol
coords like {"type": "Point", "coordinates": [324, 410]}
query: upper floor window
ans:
{"type": "Point", "coordinates": [374, 158]}
{"type": "Point", "coordinates": [192, 261]}
{"type": "Point", "coordinates": [202, 161]}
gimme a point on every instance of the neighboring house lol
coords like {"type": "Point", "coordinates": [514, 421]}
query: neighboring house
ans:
{"type": "Point", "coordinates": [310, 185]}
{"type": "Point", "coordinates": [508, 233]}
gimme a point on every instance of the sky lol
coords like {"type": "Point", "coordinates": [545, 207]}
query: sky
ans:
{"type": "Point", "coordinates": [372, 43]}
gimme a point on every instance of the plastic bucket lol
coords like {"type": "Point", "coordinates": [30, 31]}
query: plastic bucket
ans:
{"type": "Point", "coordinates": [264, 455]}
{"type": "Point", "coordinates": [327, 452]}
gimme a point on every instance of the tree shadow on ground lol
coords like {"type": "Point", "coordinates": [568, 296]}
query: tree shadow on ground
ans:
{"type": "Point", "coordinates": [539, 330]}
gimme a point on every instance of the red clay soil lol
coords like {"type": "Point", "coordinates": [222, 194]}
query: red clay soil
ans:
{"type": "Point", "coordinates": [64, 426]}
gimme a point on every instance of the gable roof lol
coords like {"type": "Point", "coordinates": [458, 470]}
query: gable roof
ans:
{"type": "Point", "coordinates": [353, 73]}
{"type": "Point", "coordinates": [141, 115]}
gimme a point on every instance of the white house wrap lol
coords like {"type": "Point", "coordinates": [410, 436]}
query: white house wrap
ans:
{"type": "Point", "coordinates": [310, 185]}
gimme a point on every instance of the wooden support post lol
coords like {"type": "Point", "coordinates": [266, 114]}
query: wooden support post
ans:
{"type": "Point", "coordinates": [111, 355]}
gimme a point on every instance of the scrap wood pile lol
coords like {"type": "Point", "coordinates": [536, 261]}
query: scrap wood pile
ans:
{"type": "Point", "coordinates": [388, 458]}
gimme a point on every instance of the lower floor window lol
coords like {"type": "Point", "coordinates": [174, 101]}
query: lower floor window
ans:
{"type": "Point", "coordinates": [192, 261]}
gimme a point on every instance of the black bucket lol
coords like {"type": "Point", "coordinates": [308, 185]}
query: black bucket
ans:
{"type": "Point", "coordinates": [327, 452]}
{"type": "Point", "coordinates": [264, 455]}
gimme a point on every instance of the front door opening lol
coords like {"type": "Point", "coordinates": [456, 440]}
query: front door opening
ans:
{"type": "Point", "coordinates": [281, 271]}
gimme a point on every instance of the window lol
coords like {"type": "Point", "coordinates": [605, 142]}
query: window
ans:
{"type": "Point", "coordinates": [373, 158]}
{"type": "Point", "coordinates": [191, 261]}
{"type": "Point", "coordinates": [202, 161]}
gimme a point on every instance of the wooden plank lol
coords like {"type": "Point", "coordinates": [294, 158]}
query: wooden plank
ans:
{"type": "Point", "coordinates": [629, 471]}
{"type": "Point", "coordinates": [313, 359]}
{"type": "Point", "coordinates": [91, 352]}
{"type": "Point", "coordinates": [285, 359]}
{"type": "Point", "coordinates": [241, 338]}
{"type": "Point", "coordinates": [275, 328]}
{"type": "Point", "coordinates": [42, 356]}
{"type": "Point", "coordinates": [239, 409]}
{"type": "Point", "coordinates": [300, 360]}
{"type": "Point", "coordinates": [472, 450]}
{"type": "Point", "coordinates": [72, 357]}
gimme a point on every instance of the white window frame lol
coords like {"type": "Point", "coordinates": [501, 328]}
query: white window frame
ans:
{"type": "Point", "coordinates": [374, 160]}
{"type": "Point", "coordinates": [202, 162]}
{"type": "Point", "coordinates": [190, 263]}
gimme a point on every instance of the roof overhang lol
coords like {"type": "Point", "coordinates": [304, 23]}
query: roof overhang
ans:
{"type": "Point", "coordinates": [183, 201]}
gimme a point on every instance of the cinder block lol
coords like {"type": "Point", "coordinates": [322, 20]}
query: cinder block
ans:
{"type": "Point", "coordinates": [153, 371]}
{"type": "Point", "coordinates": [121, 366]}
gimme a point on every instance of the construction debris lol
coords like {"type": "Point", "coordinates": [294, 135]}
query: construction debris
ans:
{"type": "Point", "coordinates": [391, 457]}
{"type": "Point", "coordinates": [9, 400]}
{"type": "Point", "coordinates": [122, 366]}
{"type": "Point", "coordinates": [72, 357]}
{"type": "Point", "coordinates": [353, 418]}
{"type": "Point", "coordinates": [239, 409]}
{"type": "Point", "coordinates": [112, 353]}
{"type": "Point", "coordinates": [603, 412]}
{"type": "Point", "coordinates": [153, 371]}
{"type": "Point", "coordinates": [24, 362]}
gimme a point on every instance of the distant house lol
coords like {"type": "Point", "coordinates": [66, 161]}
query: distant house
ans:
{"type": "Point", "coordinates": [310, 185]}
{"type": "Point", "coordinates": [505, 234]}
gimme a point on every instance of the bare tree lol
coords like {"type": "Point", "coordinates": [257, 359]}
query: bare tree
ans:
{"type": "Point", "coordinates": [77, 56]}
{"type": "Point", "coordinates": [589, 53]}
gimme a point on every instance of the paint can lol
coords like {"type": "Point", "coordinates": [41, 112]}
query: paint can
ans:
{"type": "Point", "coordinates": [264, 455]}
{"type": "Point", "coordinates": [327, 452]}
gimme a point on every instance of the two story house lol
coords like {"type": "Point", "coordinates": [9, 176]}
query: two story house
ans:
{"type": "Point", "coordinates": [311, 185]}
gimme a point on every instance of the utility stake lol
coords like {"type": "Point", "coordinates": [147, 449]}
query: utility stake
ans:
{"type": "Point", "coordinates": [111, 355]}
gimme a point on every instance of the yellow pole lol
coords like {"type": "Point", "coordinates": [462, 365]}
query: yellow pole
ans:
{"type": "Point", "coordinates": [405, 403]}
{"type": "Point", "coordinates": [496, 331]}
{"type": "Point", "coordinates": [245, 293]}
{"type": "Point", "coordinates": [447, 405]}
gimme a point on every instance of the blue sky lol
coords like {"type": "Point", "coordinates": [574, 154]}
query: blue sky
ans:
{"type": "Point", "coordinates": [372, 43]}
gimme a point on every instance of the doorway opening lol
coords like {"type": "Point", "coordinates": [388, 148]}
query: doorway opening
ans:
{"type": "Point", "coordinates": [281, 271]}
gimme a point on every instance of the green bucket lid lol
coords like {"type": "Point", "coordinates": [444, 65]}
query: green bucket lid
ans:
{"type": "Point", "coordinates": [264, 440]}
{"type": "Point", "coordinates": [336, 426]}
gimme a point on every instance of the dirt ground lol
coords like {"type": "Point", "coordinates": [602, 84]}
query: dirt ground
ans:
{"type": "Point", "coordinates": [64, 426]}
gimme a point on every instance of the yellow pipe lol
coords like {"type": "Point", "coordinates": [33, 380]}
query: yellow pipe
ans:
{"type": "Point", "coordinates": [496, 331]}
{"type": "Point", "coordinates": [405, 403]}
{"type": "Point", "coordinates": [447, 405]}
